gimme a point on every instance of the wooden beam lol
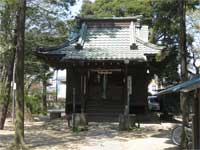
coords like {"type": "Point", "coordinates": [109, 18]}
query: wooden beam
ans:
{"type": "Point", "coordinates": [126, 98]}
{"type": "Point", "coordinates": [106, 70]}
{"type": "Point", "coordinates": [198, 99]}
{"type": "Point", "coordinates": [195, 121]}
{"type": "Point", "coordinates": [82, 91]}
{"type": "Point", "coordinates": [74, 108]}
{"type": "Point", "coordinates": [66, 83]}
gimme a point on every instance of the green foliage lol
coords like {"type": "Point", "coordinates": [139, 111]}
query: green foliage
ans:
{"type": "Point", "coordinates": [33, 102]}
{"type": "Point", "coordinates": [80, 129]}
{"type": "Point", "coordinates": [193, 39]}
{"type": "Point", "coordinates": [3, 91]}
{"type": "Point", "coordinates": [108, 8]}
{"type": "Point", "coordinates": [7, 24]}
{"type": "Point", "coordinates": [46, 25]}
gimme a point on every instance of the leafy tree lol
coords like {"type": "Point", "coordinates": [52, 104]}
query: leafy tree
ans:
{"type": "Point", "coordinates": [165, 31]}
{"type": "Point", "coordinates": [193, 41]}
{"type": "Point", "coordinates": [117, 8]}
{"type": "Point", "coordinates": [7, 53]}
{"type": "Point", "coordinates": [45, 25]}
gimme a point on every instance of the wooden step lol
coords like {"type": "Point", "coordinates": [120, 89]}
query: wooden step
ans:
{"type": "Point", "coordinates": [102, 117]}
{"type": "Point", "coordinates": [106, 109]}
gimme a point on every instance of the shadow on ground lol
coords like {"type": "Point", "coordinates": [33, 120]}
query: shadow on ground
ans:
{"type": "Point", "coordinates": [44, 134]}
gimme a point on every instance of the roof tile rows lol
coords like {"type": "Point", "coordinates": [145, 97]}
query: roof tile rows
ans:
{"type": "Point", "coordinates": [105, 43]}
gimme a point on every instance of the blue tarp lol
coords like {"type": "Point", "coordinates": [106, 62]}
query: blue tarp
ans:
{"type": "Point", "coordinates": [184, 87]}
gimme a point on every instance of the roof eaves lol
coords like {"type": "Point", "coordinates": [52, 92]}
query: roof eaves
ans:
{"type": "Point", "coordinates": [81, 40]}
{"type": "Point", "coordinates": [101, 59]}
{"type": "Point", "coordinates": [92, 18]}
{"type": "Point", "coordinates": [67, 43]}
{"type": "Point", "coordinates": [150, 44]}
{"type": "Point", "coordinates": [185, 86]}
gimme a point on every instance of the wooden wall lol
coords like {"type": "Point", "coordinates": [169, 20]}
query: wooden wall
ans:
{"type": "Point", "coordinates": [115, 97]}
{"type": "Point", "coordinates": [138, 99]}
{"type": "Point", "coordinates": [73, 81]}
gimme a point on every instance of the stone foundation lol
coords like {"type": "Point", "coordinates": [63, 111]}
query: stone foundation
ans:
{"type": "Point", "coordinates": [78, 120]}
{"type": "Point", "coordinates": [126, 122]}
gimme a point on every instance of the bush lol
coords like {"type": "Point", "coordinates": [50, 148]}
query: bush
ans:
{"type": "Point", "coordinates": [33, 102]}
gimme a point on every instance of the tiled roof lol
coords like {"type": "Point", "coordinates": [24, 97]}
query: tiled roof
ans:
{"type": "Point", "coordinates": [109, 53]}
{"type": "Point", "coordinates": [105, 43]}
{"type": "Point", "coordinates": [184, 87]}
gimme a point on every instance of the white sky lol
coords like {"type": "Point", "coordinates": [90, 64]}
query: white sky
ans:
{"type": "Point", "coordinates": [75, 11]}
{"type": "Point", "coordinates": [76, 8]}
{"type": "Point", "coordinates": [62, 73]}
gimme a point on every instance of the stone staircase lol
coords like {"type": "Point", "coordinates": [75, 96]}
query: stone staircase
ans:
{"type": "Point", "coordinates": [104, 110]}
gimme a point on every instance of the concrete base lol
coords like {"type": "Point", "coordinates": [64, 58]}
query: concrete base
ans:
{"type": "Point", "coordinates": [55, 113]}
{"type": "Point", "coordinates": [126, 122]}
{"type": "Point", "coordinates": [78, 120]}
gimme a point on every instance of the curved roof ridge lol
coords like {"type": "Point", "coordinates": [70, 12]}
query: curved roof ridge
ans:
{"type": "Point", "coordinates": [151, 45]}
{"type": "Point", "coordinates": [137, 17]}
{"type": "Point", "coordinates": [67, 43]}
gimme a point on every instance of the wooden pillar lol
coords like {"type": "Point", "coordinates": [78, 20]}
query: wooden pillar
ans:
{"type": "Point", "coordinates": [66, 84]}
{"type": "Point", "coordinates": [82, 91]}
{"type": "Point", "coordinates": [195, 121]}
{"type": "Point", "coordinates": [74, 108]}
{"type": "Point", "coordinates": [71, 78]}
{"type": "Point", "coordinates": [198, 113]}
{"type": "Point", "coordinates": [129, 88]}
{"type": "Point", "coordinates": [126, 93]}
{"type": "Point", "coordinates": [87, 88]}
{"type": "Point", "coordinates": [74, 100]}
{"type": "Point", "coordinates": [57, 85]}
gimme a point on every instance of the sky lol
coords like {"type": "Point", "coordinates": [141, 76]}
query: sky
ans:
{"type": "Point", "coordinates": [75, 11]}
{"type": "Point", "coordinates": [62, 73]}
{"type": "Point", "coordinates": [76, 8]}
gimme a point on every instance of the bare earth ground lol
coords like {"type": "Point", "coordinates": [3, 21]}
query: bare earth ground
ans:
{"type": "Point", "coordinates": [43, 134]}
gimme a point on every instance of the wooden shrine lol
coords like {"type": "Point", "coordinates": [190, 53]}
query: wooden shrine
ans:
{"type": "Point", "coordinates": [109, 65]}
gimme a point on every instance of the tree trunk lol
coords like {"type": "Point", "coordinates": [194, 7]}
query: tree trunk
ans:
{"type": "Point", "coordinates": [184, 72]}
{"type": "Point", "coordinates": [4, 102]}
{"type": "Point", "coordinates": [44, 96]}
{"type": "Point", "coordinates": [5, 91]}
{"type": "Point", "coordinates": [19, 77]}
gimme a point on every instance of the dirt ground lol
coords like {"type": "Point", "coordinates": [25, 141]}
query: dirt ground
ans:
{"type": "Point", "coordinates": [43, 134]}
